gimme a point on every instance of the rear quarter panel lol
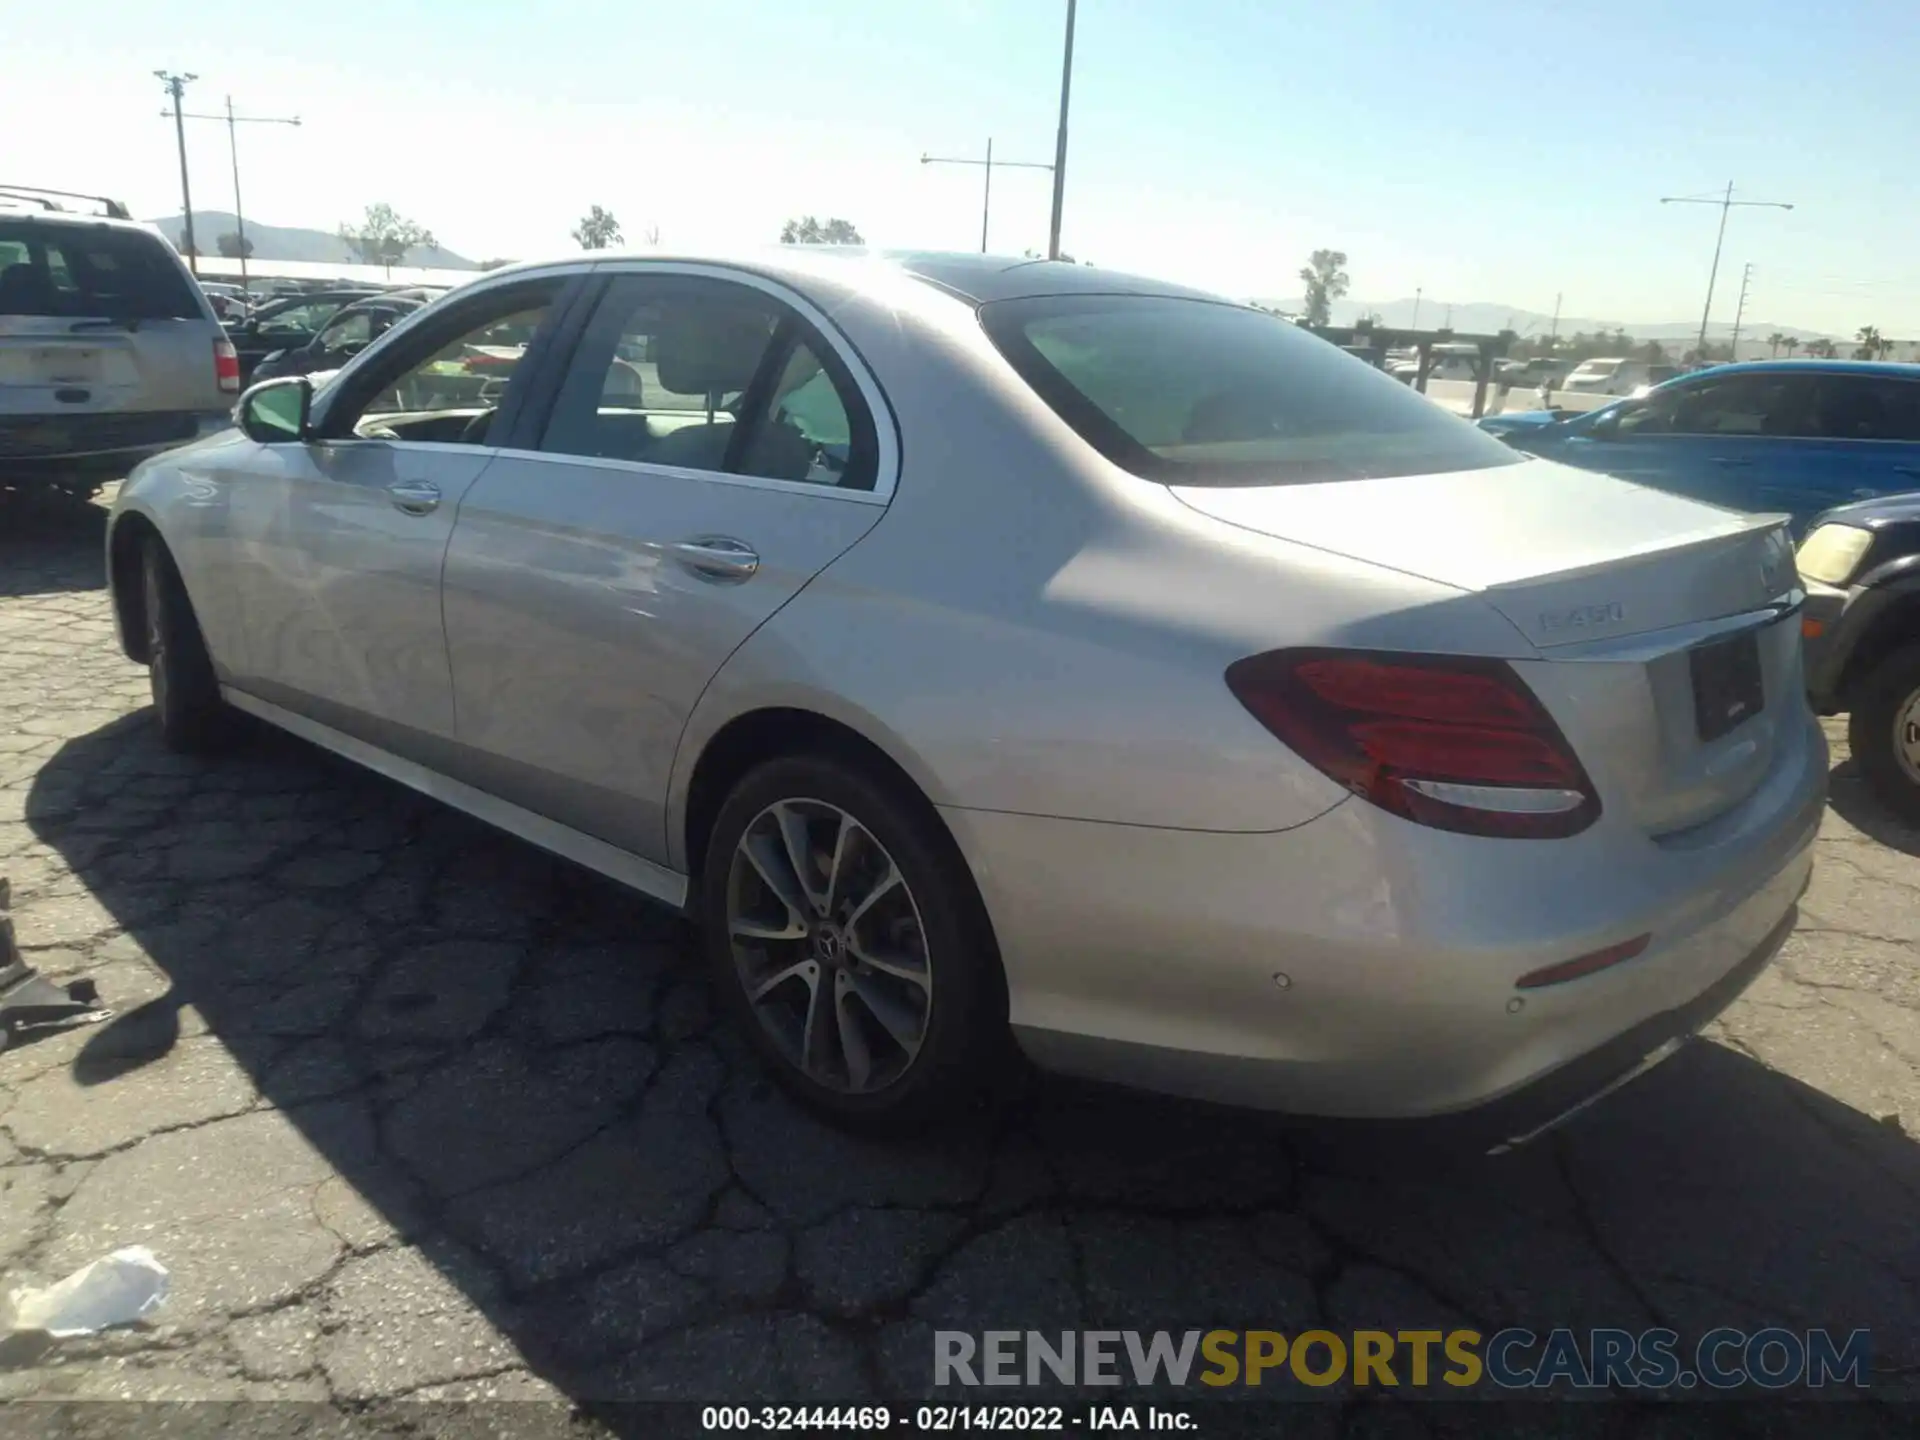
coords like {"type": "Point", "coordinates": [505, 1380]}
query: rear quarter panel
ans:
{"type": "Point", "coordinates": [1030, 629]}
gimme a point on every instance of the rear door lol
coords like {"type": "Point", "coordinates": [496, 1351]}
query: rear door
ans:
{"type": "Point", "coordinates": [1869, 441]}
{"type": "Point", "coordinates": [712, 447]}
{"type": "Point", "coordinates": [97, 318]}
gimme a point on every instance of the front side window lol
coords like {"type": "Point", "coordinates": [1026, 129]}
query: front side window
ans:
{"type": "Point", "coordinates": [446, 382]}
{"type": "Point", "coordinates": [1739, 405]}
{"type": "Point", "coordinates": [1196, 392]}
{"type": "Point", "coordinates": [347, 335]}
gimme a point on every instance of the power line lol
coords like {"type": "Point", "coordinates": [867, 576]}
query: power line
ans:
{"type": "Point", "coordinates": [233, 152]}
{"type": "Point", "coordinates": [1726, 203]}
{"type": "Point", "coordinates": [986, 199]}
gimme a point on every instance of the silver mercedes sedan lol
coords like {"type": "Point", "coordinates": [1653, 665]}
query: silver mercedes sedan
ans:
{"type": "Point", "coordinates": [981, 650]}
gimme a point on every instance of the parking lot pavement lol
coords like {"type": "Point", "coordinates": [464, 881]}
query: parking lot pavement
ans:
{"type": "Point", "coordinates": [409, 1109]}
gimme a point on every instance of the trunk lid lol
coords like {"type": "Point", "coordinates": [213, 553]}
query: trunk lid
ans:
{"type": "Point", "coordinates": [83, 366]}
{"type": "Point", "coordinates": [1612, 588]}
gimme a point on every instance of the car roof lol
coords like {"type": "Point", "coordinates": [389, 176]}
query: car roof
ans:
{"type": "Point", "coordinates": [1885, 369]}
{"type": "Point", "coordinates": [973, 278]}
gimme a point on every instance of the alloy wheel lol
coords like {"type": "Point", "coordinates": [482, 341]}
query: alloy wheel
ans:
{"type": "Point", "coordinates": [829, 947]}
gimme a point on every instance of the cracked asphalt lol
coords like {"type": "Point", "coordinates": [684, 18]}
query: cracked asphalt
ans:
{"type": "Point", "coordinates": [411, 1110]}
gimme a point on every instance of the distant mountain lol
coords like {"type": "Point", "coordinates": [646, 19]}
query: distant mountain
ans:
{"type": "Point", "coordinates": [290, 242]}
{"type": "Point", "coordinates": [1482, 318]}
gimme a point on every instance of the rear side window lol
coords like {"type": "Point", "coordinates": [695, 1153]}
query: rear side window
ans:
{"type": "Point", "coordinates": [1196, 392]}
{"type": "Point", "coordinates": [81, 272]}
{"type": "Point", "coordinates": [1862, 407]}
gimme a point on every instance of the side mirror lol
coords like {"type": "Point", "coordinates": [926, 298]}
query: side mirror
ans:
{"type": "Point", "coordinates": [275, 412]}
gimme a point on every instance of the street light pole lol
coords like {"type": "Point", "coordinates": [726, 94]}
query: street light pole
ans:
{"type": "Point", "coordinates": [175, 84]}
{"type": "Point", "coordinates": [1060, 142]}
{"type": "Point", "coordinates": [1726, 203]}
{"type": "Point", "coordinates": [233, 152]}
{"type": "Point", "coordinates": [986, 197]}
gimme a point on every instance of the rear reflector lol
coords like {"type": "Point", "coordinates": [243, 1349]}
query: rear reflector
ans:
{"type": "Point", "coordinates": [1583, 964]}
{"type": "Point", "coordinates": [1454, 742]}
{"type": "Point", "coordinates": [226, 366]}
{"type": "Point", "coordinates": [1812, 629]}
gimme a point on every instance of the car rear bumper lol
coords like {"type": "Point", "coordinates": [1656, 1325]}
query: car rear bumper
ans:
{"type": "Point", "coordinates": [110, 442]}
{"type": "Point", "coordinates": [1360, 966]}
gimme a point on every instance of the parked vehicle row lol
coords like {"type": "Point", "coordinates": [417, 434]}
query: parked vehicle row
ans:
{"type": "Point", "coordinates": [980, 648]}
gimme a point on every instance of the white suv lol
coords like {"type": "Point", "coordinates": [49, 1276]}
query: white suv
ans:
{"type": "Point", "coordinates": [1607, 377]}
{"type": "Point", "coordinates": [109, 352]}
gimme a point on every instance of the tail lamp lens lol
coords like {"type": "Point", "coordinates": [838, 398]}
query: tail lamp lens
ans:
{"type": "Point", "coordinates": [226, 366]}
{"type": "Point", "coordinates": [1454, 742]}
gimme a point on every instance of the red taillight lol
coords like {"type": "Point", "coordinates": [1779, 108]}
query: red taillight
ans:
{"type": "Point", "coordinates": [1455, 742]}
{"type": "Point", "coordinates": [226, 366]}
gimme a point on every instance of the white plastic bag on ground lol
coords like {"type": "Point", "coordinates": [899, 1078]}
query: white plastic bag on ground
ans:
{"type": "Point", "coordinates": [117, 1290]}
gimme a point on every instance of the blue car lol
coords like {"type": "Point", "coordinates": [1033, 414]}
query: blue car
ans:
{"type": "Point", "coordinates": [1791, 436]}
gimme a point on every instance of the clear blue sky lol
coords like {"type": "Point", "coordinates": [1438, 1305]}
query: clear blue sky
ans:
{"type": "Point", "coordinates": [1481, 151]}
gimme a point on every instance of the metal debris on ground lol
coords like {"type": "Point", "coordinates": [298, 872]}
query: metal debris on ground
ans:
{"type": "Point", "coordinates": [27, 998]}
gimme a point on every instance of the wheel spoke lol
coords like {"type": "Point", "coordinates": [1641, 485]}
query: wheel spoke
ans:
{"type": "Point", "coordinates": [803, 969]}
{"type": "Point", "coordinates": [900, 967]}
{"type": "Point", "coordinates": [853, 1043]}
{"type": "Point", "coordinates": [793, 834]}
{"type": "Point", "coordinates": [771, 862]}
{"type": "Point", "coordinates": [894, 1015]}
{"type": "Point", "coordinates": [841, 838]}
{"type": "Point", "coordinates": [745, 928]}
{"type": "Point", "coordinates": [814, 1032]}
{"type": "Point", "coordinates": [889, 878]}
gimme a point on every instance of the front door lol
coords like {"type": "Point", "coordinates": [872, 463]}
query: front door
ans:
{"type": "Point", "coordinates": [708, 453]}
{"type": "Point", "coordinates": [340, 542]}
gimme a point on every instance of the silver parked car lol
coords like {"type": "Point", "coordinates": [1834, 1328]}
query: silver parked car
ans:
{"type": "Point", "coordinates": [109, 352]}
{"type": "Point", "coordinates": [977, 647]}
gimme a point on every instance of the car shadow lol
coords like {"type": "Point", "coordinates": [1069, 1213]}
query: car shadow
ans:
{"type": "Point", "coordinates": [1855, 802]}
{"type": "Point", "coordinates": [49, 542]}
{"type": "Point", "coordinates": [452, 1118]}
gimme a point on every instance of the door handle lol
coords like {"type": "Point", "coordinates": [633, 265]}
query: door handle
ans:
{"type": "Point", "coordinates": [414, 497]}
{"type": "Point", "coordinates": [718, 558]}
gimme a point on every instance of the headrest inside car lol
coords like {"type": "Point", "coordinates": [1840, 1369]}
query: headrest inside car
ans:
{"type": "Point", "coordinates": [701, 349]}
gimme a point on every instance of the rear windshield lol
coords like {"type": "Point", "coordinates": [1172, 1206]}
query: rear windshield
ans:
{"type": "Point", "coordinates": [86, 272]}
{"type": "Point", "coordinates": [1195, 392]}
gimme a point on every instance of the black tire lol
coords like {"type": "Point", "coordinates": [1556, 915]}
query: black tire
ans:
{"type": "Point", "coordinates": [962, 1012]}
{"type": "Point", "coordinates": [1885, 698]}
{"type": "Point", "coordinates": [193, 719]}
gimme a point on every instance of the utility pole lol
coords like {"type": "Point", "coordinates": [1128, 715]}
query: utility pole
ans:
{"type": "Point", "coordinates": [1060, 142]}
{"type": "Point", "coordinates": [1746, 276]}
{"type": "Point", "coordinates": [1553, 338]}
{"type": "Point", "coordinates": [233, 152]}
{"type": "Point", "coordinates": [986, 198]}
{"type": "Point", "coordinates": [1417, 292]}
{"type": "Point", "coordinates": [1726, 203]}
{"type": "Point", "coordinates": [175, 84]}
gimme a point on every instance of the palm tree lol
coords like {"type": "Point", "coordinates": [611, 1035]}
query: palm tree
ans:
{"type": "Point", "coordinates": [1774, 342]}
{"type": "Point", "coordinates": [1871, 343]}
{"type": "Point", "coordinates": [1822, 349]}
{"type": "Point", "coordinates": [1789, 344]}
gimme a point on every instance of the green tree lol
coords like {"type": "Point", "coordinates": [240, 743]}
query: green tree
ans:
{"type": "Point", "coordinates": [1789, 344]}
{"type": "Point", "coordinates": [1822, 349]}
{"type": "Point", "coordinates": [1774, 342]}
{"type": "Point", "coordinates": [1326, 279]}
{"type": "Point", "coordinates": [231, 246]}
{"type": "Point", "coordinates": [809, 231]}
{"type": "Point", "coordinates": [384, 237]}
{"type": "Point", "coordinates": [1872, 343]}
{"type": "Point", "coordinates": [598, 230]}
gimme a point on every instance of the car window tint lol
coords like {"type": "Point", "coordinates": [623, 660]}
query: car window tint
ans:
{"type": "Point", "coordinates": [661, 373]}
{"type": "Point", "coordinates": [87, 273]}
{"type": "Point", "coordinates": [1746, 404]}
{"type": "Point", "coordinates": [346, 334]}
{"type": "Point", "coordinates": [1198, 392]}
{"type": "Point", "coordinates": [815, 430]}
{"type": "Point", "coordinates": [1866, 407]}
{"type": "Point", "coordinates": [452, 393]}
